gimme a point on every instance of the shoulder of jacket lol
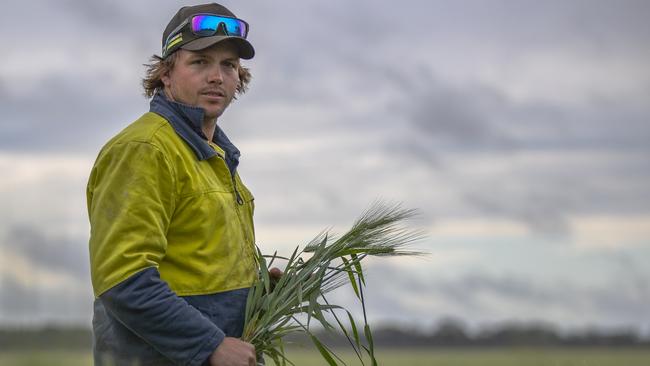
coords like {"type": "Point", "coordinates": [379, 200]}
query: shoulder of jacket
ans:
{"type": "Point", "coordinates": [150, 128]}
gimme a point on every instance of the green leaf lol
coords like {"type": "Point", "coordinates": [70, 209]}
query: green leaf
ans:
{"type": "Point", "coordinates": [310, 310]}
{"type": "Point", "coordinates": [292, 258]}
{"type": "Point", "coordinates": [344, 329]}
{"type": "Point", "coordinates": [353, 280]}
{"type": "Point", "coordinates": [318, 314]}
{"type": "Point", "coordinates": [299, 292]}
{"type": "Point", "coordinates": [324, 242]}
{"type": "Point", "coordinates": [318, 242]}
{"type": "Point", "coordinates": [355, 333]}
{"type": "Point", "coordinates": [357, 265]}
{"type": "Point", "coordinates": [265, 278]}
{"type": "Point", "coordinates": [281, 353]}
{"type": "Point", "coordinates": [323, 351]}
{"type": "Point", "coordinates": [371, 345]}
{"type": "Point", "coordinates": [272, 315]}
{"type": "Point", "coordinates": [273, 257]}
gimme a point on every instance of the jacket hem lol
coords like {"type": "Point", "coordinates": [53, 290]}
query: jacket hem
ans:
{"type": "Point", "coordinates": [214, 291]}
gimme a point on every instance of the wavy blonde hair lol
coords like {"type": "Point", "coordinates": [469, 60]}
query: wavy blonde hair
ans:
{"type": "Point", "coordinates": [157, 67]}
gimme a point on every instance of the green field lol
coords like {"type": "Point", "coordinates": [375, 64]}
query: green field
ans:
{"type": "Point", "coordinates": [38, 358]}
{"type": "Point", "coordinates": [436, 357]}
{"type": "Point", "coordinates": [496, 357]}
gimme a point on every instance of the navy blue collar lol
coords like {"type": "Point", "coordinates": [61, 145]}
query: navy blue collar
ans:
{"type": "Point", "coordinates": [187, 122]}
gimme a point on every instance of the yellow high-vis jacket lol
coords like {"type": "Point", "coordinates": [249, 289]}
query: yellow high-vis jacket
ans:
{"type": "Point", "coordinates": [153, 203]}
{"type": "Point", "coordinates": [171, 243]}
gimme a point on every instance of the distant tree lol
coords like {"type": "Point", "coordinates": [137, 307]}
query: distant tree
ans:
{"type": "Point", "coordinates": [450, 332]}
{"type": "Point", "coordinates": [515, 334]}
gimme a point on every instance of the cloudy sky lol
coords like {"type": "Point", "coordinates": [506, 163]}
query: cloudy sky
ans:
{"type": "Point", "coordinates": [519, 129]}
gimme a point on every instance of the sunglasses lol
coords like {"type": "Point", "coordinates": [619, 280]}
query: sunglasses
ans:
{"type": "Point", "coordinates": [206, 25]}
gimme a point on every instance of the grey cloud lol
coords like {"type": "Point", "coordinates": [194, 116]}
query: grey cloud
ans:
{"type": "Point", "coordinates": [518, 25]}
{"type": "Point", "coordinates": [450, 122]}
{"type": "Point", "coordinates": [445, 122]}
{"type": "Point", "coordinates": [470, 119]}
{"type": "Point", "coordinates": [17, 298]}
{"type": "Point", "coordinates": [511, 26]}
{"type": "Point", "coordinates": [64, 114]}
{"type": "Point", "coordinates": [357, 25]}
{"type": "Point", "coordinates": [22, 304]}
{"type": "Point", "coordinates": [121, 24]}
{"type": "Point", "coordinates": [545, 212]}
{"type": "Point", "coordinates": [478, 117]}
{"type": "Point", "coordinates": [36, 300]}
{"type": "Point", "coordinates": [110, 16]}
{"type": "Point", "coordinates": [472, 295]}
{"type": "Point", "coordinates": [634, 267]}
{"type": "Point", "coordinates": [58, 254]}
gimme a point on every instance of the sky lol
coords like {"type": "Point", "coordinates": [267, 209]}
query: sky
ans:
{"type": "Point", "coordinates": [518, 129]}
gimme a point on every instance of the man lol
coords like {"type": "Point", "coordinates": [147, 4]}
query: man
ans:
{"type": "Point", "coordinates": [172, 239]}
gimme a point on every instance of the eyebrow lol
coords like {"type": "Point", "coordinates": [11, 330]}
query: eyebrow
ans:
{"type": "Point", "coordinates": [232, 59]}
{"type": "Point", "coordinates": [202, 53]}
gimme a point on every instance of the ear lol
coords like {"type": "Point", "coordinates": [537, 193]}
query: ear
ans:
{"type": "Point", "coordinates": [166, 80]}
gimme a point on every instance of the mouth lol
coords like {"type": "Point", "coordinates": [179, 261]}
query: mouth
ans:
{"type": "Point", "coordinates": [214, 94]}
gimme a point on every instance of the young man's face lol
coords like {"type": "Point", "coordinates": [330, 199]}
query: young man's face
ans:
{"type": "Point", "coordinates": [207, 78]}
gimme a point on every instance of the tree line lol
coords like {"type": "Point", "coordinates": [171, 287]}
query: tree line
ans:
{"type": "Point", "coordinates": [448, 333]}
{"type": "Point", "coordinates": [453, 333]}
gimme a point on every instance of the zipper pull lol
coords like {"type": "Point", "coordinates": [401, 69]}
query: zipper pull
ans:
{"type": "Point", "coordinates": [240, 201]}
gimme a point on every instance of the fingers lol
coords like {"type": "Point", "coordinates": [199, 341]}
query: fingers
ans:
{"type": "Point", "coordinates": [234, 352]}
{"type": "Point", "coordinates": [276, 273]}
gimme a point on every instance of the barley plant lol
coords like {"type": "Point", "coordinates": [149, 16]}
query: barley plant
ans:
{"type": "Point", "coordinates": [291, 304]}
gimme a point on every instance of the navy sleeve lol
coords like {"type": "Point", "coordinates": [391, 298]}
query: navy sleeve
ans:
{"type": "Point", "coordinates": [146, 305]}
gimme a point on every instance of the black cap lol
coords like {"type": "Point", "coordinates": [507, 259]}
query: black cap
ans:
{"type": "Point", "coordinates": [192, 42]}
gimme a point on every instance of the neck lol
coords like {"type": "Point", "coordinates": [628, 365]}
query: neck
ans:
{"type": "Point", "coordinates": [209, 126]}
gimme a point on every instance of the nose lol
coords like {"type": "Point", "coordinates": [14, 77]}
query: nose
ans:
{"type": "Point", "coordinates": [215, 75]}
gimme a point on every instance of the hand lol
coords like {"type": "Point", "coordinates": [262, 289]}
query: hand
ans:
{"type": "Point", "coordinates": [233, 352]}
{"type": "Point", "coordinates": [275, 274]}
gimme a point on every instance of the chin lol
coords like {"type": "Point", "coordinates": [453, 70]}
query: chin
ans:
{"type": "Point", "coordinates": [211, 112]}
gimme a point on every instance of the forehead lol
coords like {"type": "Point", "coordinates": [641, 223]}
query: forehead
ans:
{"type": "Point", "coordinates": [224, 49]}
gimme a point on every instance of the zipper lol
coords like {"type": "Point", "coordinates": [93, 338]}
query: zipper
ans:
{"type": "Point", "coordinates": [240, 201]}
{"type": "Point", "coordinates": [238, 198]}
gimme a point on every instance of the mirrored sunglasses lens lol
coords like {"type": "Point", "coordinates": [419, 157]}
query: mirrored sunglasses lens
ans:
{"type": "Point", "coordinates": [207, 25]}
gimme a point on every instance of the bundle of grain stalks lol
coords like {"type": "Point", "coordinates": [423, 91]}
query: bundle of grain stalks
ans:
{"type": "Point", "coordinates": [277, 308]}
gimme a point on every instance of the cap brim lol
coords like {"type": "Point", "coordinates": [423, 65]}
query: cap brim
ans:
{"type": "Point", "coordinates": [246, 50]}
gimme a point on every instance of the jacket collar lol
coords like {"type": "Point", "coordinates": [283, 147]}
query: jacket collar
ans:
{"type": "Point", "coordinates": [187, 122]}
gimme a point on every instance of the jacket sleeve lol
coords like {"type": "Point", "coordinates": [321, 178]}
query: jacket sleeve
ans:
{"type": "Point", "coordinates": [131, 194]}
{"type": "Point", "coordinates": [146, 305]}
